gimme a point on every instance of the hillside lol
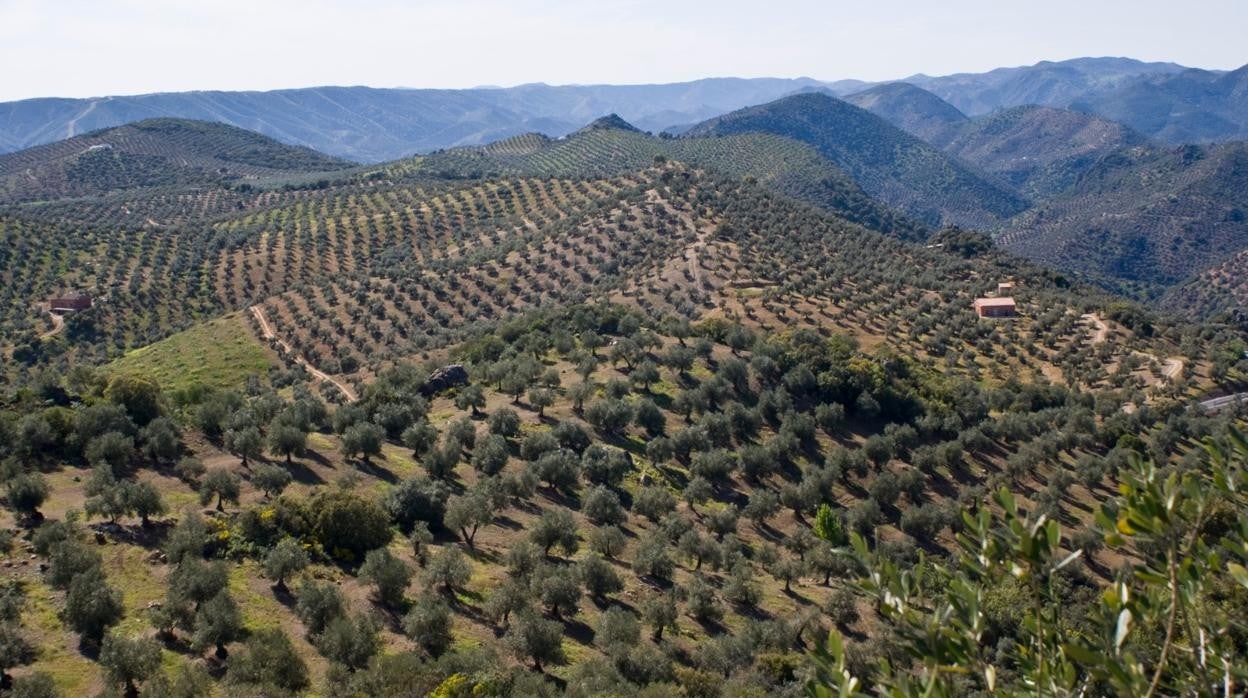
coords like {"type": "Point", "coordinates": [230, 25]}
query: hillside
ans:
{"type": "Point", "coordinates": [888, 163]}
{"type": "Point", "coordinates": [913, 110]}
{"type": "Point", "coordinates": [153, 153]}
{"type": "Point", "coordinates": [781, 164]}
{"type": "Point", "coordinates": [585, 416]}
{"type": "Point", "coordinates": [1040, 151]}
{"type": "Point", "coordinates": [1219, 291]}
{"type": "Point", "coordinates": [1143, 215]}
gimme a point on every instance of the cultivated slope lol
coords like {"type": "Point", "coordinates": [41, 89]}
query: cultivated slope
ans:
{"type": "Point", "coordinates": [609, 147]}
{"type": "Point", "coordinates": [151, 153]}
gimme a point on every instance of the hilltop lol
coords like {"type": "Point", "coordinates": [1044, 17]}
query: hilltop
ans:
{"type": "Point", "coordinates": [610, 121]}
{"type": "Point", "coordinates": [912, 109]}
{"type": "Point", "coordinates": [153, 153]}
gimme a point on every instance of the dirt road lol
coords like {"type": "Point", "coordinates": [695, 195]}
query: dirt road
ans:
{"type": "Point", "coordinates": [58, 324]}
{"type": "Point", "coordinates": [315, 372]}
{"type": "Point", "coordinates": [1101, 333]}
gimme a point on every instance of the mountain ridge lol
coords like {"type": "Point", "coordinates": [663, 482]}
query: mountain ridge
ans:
{"type": "Point", "coordinates": [370, 124]}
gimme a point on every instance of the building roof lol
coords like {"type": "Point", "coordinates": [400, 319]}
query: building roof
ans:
{"type": "Point", "coordinates": [994, 302]}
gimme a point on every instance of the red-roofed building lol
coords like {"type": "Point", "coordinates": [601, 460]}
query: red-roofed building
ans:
{"type": "Point", "coordinates": [995, 307]}
{"type": "Point", "coordinates": [70, 303]}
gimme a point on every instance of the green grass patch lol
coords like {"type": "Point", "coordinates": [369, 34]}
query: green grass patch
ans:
{"type": "Point", "coordinates": [73, 673]}
{"type": "Point", "coordinates": [219, 353]}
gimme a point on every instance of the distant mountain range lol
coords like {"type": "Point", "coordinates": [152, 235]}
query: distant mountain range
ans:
{"type": "Point", "coordinates": [1161, 100]}
{"type": "Point", "coordinates": [372, 125]}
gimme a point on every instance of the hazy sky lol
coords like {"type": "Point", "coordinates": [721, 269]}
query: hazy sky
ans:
{"type": "Point", "coordinates": [79, 48]}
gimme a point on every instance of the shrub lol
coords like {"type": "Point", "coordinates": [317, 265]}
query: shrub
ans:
{"type": "Point", "coordinates": [268, 659]}
{"type": "Point", "coordinates": [348, 526]}
{"type": "Point", "coordinates": [429, 624]}
{"type": "Point", "coordinates": [319, 603]}
{"type": "Point", "coordinates": [417, 499]}
{"type": "Point", "coordinates": [388, 574]}
{"type": "Point", "coordinates": [602, 506]}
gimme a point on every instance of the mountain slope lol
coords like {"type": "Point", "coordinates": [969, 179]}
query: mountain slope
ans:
{"type": "Point", "coordinates": [888, 163]}
{"type": "Point", "coordinates": [913, 110]}
{"type": "Point", "coordinates": [1039, 150]}
{"type": "Point", "coordinates": [155, 152]}
{"type": "Point", "coordinates": [1144, 215]}
{"type": "Point", "coordinates": [372, 125]}
{"type": "Point", "coordinates": [1219, 291]}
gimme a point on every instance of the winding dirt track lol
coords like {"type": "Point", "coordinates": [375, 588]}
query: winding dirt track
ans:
{"type": "Point", "coordinates": [1102, 330]}
{"type": "Point", "coordinates": [1171, 368]}
{"type": "Point", "coordinates": [316, 373]}
{"type": "Point", "coordinates": [58, 324]}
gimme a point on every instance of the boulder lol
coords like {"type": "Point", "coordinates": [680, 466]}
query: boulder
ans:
{"type": "Point", "coordinates": [445, 378]}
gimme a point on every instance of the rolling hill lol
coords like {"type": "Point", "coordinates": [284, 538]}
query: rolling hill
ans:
{"type": "Point", "coordinates": [888, 163]}
{"type": "Point", "coordinates": [1107, 202]}
{"type": "Point", "coordinates": [153, 153]}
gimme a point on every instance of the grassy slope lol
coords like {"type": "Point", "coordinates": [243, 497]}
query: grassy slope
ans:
{"type": "Point", "coordinates": [220, 353]}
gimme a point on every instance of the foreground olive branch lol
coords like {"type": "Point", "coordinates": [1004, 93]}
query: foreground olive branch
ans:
{"type": "Point", "coordinates": [1172, 622]}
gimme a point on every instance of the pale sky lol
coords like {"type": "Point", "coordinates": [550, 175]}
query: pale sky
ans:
{"type": "Point", "coordinates": [80, 48]}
